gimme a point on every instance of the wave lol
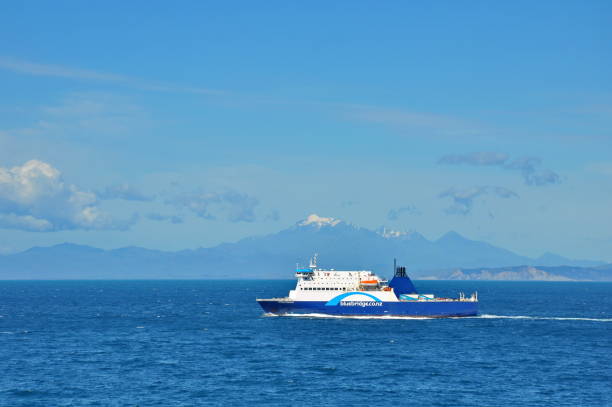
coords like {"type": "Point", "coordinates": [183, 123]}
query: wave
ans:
{"type": "Point", "coordinates": [482, 316]}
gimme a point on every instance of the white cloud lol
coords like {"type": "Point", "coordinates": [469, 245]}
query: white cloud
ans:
{"type": "Point", "coordinates": [532, 174]}
{"type": "Point", "coordinates": [158, 217]}
{"type": "Point", "coordinates": [395, 214]}
{"type": "Point", "coordinates": [31, 68]}
{"type": "Point", "coordinates": [528, 166]}
{"type": "Point", "coordinates": [37, 69]}
{"type": "Point", "coordinates": [79, 116]}
{"type": "Point", "coordinates": [478, 158]}
{"type": "Point", "coordinates": [126, 192]}
{"type": "Point", "coordinates": [34, 197]}
{"type": "Point", "coordinates": [419, 123]}
{"type": "Point", "coordinates": [234, 206]}
{"type": "Point", "coordinates": [463, 199]}
{"type": "Point", "coordinates": [25, 222]}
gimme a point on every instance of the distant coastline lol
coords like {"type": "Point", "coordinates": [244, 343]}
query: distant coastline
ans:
{"type": "Point", "coordinates": [451, 257]}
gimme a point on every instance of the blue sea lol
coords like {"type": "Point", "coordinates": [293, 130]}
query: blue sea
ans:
{"type": "Point", "coordinates": [190, 343]}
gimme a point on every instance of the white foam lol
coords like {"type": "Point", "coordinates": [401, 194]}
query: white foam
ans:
{"type": "Point", "coordinates": [317, 315]}
{"type": "Point", "coordinates": [483, 316]}
{"type": "Point", "coordinates": [490, 316]}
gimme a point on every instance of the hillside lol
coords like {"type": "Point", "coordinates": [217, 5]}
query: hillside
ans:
{"type": "Point", "coordinates": [339, 244]}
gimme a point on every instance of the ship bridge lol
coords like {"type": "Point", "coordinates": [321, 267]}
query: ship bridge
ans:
{"type": "Point", "coordinates": [314, 278]}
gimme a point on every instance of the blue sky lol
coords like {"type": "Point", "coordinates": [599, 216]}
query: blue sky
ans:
{"type": "Point", "coordinates": [182, 125]}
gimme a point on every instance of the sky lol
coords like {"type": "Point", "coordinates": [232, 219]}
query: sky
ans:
{"type": "Point", "coordinates": [175, 125]}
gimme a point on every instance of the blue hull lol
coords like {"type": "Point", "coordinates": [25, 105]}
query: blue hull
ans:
{"type": "Point", "coordinates": [432, 309]}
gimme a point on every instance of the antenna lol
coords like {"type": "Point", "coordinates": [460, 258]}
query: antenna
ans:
{"type": "Point", "coordinates": [313, 261]}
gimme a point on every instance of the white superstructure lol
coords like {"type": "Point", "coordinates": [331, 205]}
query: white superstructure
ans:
{"type": "Point", "coordinates": [317, 284]}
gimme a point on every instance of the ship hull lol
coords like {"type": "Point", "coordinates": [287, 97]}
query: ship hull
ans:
{"type": "Point", "coordinates": [431, 309]}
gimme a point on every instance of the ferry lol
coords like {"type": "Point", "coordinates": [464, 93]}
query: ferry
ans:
{"type": "Point", "coordinates": [363, 293]}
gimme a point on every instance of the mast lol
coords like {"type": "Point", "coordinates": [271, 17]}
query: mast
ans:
{"type": "Point", "coordinates": [313, 261]}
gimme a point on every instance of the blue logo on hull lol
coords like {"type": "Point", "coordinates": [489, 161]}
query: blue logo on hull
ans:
{"type": "Point", "coordinates": [336, 300]}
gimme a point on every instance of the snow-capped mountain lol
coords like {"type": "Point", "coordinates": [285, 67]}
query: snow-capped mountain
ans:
{"type": "Point", "coordinates": [319, 221]}
{"type": "Point", "coordinates": [339, 244]}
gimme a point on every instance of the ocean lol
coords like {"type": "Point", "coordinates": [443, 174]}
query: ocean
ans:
{"type": "Point", "coordinates": [190, 343]}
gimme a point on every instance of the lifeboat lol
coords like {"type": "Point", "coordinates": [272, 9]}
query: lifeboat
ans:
{"type": "Point", "coordinates": [369, 283]}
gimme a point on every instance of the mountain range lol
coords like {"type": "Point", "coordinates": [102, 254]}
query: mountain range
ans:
{"type": "Point", "coordinates": [340, 245]}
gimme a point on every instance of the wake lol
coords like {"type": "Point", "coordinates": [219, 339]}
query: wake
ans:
{"type": "Point", "coordinates": [489, 316]}
{"type": "Point", "coordinates": [317, 315]}
{"type": "Point", "coordinates": [482, 316]}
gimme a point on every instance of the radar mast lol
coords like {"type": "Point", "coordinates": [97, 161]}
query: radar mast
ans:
{"type": "Point", "coordinates": [313, 261]}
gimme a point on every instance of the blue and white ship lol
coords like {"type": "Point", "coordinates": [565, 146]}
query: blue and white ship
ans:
{"type": "Point", "coordinates": [361, 292]}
